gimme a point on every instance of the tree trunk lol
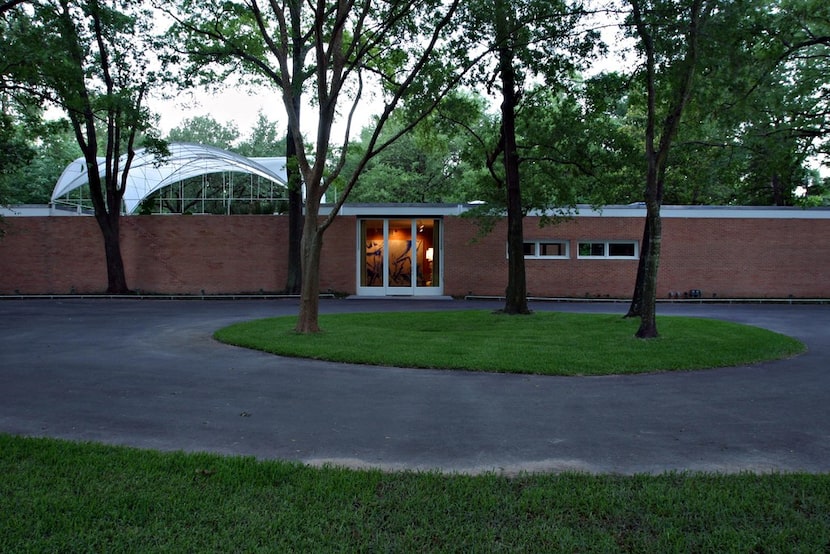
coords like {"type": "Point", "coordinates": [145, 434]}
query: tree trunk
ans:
{"type": "Point", "coordinates": [778, 196]}
{"type": "Point", "coordinates": [636, 307]}
{"type": "Point", "coordinates": [293, 281]}
{"type": "Point", "coordinates": [116, 276]}
{"type": "Point", "coordinates": [312, 245]}
{"type": "Point", "coordinates": [648, 306]}
{"type": "Point", "coordinates": [516, 292]}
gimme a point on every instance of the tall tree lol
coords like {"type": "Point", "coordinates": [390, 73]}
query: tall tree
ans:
{"type": "Point", "coordinates": [668, 34]}
{"type": "Point", "coordinates": [762, 103]}
{"type": "Point", "coordinates": [334, 47]}
{"type": "Point", "coordinates": [219, 38]}
{"type": "Point", "coordinates": [528, 39]}
{"type": "Point", "coordinates": [516, 291]}
{"type": "Point", "coordinates": [100, 79]}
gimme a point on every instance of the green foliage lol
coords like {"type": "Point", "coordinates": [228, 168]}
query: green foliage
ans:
{"type": "Point", "coordinates": [585, 344]}
{"type": "Point", "coordinates": [759, 110]}
{"type": "Point", "coordinates": [205, 130]}
{"type": "Point", "coordinates": [52, 146]}
{"type": "Point", "coordinates": [15, 153]}
{"type": "Point", "coordinates": [266, 139]}
{"type": "Point", "coordinates": [423, 165]}
{"type": "Point", "coordinates": [59, 496]}
{"type": "Point", "coordinates": [100, 79]}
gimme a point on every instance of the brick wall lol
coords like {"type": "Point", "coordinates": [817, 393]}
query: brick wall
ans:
{"type": "Point", "coordinates": [479, 266]}
{"type": "Point", "coordinates": [51, 255]}
{"type": "Point", "coordinates": [743, 258]}
{"type": "Point", "coordinates": [739, 258]}
{"type": "Point", "coordinates": [726, 258]}
{"type": "Point", "coordinates": [164, 254]}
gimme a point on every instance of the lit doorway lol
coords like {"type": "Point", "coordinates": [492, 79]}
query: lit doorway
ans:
{"type": "Point", "coordinates": [399, 257]}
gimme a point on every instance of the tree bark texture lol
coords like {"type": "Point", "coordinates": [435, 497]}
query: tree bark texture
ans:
{"type": "Point", "coordinates": [110, 230]}
{"type": "Point", "coordinates": [657, 152]}
{"type": "Point", "coordinates": [106, 199]}
{"type": "Point", "coordinates": [648, 303]}
{"type": "Point", "coordinates": [312, 246]}
{"type": "Point", "coordinates": [636, 307]}
{"type": "Point", "coordinates": [293, 280]}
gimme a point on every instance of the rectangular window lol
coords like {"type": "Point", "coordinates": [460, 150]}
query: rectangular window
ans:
{"type": "Point", "coordinates": [591, 249]}
{"type": "Point", "coordinates": [616, 249]}
{"type": "Point", "coordinates": [622, 250]}
{"type": "Point", "coordinates": [554, 249]}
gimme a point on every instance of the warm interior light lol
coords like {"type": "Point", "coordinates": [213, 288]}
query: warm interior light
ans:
{"type": "Point", "coordinates": [430, 253]}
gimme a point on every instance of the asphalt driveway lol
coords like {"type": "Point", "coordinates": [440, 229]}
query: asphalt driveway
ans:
{"type": "Point", "coordinates": [147, 373]}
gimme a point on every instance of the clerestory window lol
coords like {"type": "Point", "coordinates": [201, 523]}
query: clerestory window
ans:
{"type": "Point", "coordinates": [613, 249]}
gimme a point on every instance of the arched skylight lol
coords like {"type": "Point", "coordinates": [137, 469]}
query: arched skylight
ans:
{"type": "Point", "coordinates": [148, 174]}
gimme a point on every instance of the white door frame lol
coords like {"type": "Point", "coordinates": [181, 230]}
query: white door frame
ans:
{"type": "Point", "coordinates": [413, 289]}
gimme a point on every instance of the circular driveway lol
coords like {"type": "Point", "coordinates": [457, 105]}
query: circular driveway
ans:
{"type": "Point", "coordinates": [147, 373]}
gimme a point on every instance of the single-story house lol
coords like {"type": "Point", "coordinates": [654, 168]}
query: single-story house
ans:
{"type": "Point", "coordinates": [434, 250]}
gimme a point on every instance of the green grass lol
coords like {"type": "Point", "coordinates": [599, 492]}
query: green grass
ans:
{"type": "Point", "coordinates": [549, 343]}
{"type": "Point", "coordinates": [58, 496]}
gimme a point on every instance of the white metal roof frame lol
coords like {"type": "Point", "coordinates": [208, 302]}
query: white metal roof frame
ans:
{"type": "Point", "coordinates": [148, 173]}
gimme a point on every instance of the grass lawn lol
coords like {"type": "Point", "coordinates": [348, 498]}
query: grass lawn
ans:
{"type": "Point", "coordinates": [549, 343]}
{"type": "Point", "coordinates": [58, 496]}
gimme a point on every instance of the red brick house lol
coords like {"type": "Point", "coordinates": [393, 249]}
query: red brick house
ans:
{"type": "Point", "coordinates": [434, 250]}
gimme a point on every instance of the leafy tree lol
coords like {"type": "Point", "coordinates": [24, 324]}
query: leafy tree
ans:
{"type": "Point", "coordinates": [53, 146]}
{"type": "Point", "coordinates": [220, 38]}
{"type": "Point", "coordinates": [783, 117]}
{"type": "Point", "coordinates": [668, 35]}
{"type": "Point", "coordinates": [87, 58]}
{"type": "Point", "coordinates": [424, 165]}
{"type": "Point", "coordinates": [334, 47]}
{"type": "Point", "coordinates": [15, 153]}
{"type": "Point", "coordinates": [264, 139]}
{"type": "Point", "coordinates": [760, 112]}
{"type": "Point", "coordinates": [204, 129]}
{"type": "Point", "coordinates": [527, 39]}
{"type": "Point", "coordinates": [759, 98]}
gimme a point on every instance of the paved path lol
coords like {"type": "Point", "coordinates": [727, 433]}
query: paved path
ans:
{"type": "Point", "coordinates": [147, 374]}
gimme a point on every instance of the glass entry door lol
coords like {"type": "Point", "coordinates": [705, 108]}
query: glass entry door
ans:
{"type": "Point", "coordinates": [401, 261]}
{"type": "Point", "coordinates": [399, 257]}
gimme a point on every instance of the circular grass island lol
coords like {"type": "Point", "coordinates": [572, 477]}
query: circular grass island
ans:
{"type": "Point", "coordinates": [544, 343]}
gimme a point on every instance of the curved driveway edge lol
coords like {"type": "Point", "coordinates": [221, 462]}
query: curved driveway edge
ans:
{"type": "Point", "coordinates": [148, 374]}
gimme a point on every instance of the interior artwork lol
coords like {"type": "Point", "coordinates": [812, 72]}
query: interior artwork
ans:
{"type": "Point", "coordinates": [399, 255]}
{"type": "Point", "coordinates": [373, 274]}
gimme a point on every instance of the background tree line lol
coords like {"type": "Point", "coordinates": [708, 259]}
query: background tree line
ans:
{"type": "Point", "coordinates": [749, 139]}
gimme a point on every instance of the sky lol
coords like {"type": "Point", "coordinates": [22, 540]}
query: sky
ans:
{"type": "Point", "coordinates": [231, 105]}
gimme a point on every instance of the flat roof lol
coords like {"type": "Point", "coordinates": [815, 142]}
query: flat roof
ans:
{"type": "Point", "coordinates": [584, 210]}
{"type": "Point", "coordinates": [440, 210]}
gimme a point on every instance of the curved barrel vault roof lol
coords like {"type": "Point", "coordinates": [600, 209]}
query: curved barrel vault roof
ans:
{"type": "Point", "coordinates": [148, 174]}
